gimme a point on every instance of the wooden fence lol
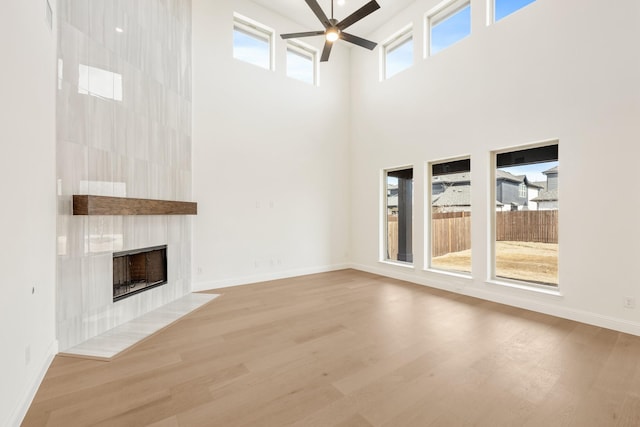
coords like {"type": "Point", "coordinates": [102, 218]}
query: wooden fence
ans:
{"type": "Point", "coordinates": [451, 232]}
{"type": "Point", "coordinates": [527, 226]}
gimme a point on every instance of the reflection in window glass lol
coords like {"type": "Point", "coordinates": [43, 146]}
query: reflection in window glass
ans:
{"type": "Point", "coordinates": [399, 215]}
{"type": "Point", "coordinates": [252, 44]}
{"type": "Point", "coordinates": [526, 235]}
{"type": "Point", "coordinates": [449, 26]}
{"type": "Point", "coordinates": [451, 216]}
{"type": "Point", "coordinates": [504, 8]}
{"type": "Point", "coordinates": [98, 82]}
{"type": "Point", "coordinates": [398, 54]}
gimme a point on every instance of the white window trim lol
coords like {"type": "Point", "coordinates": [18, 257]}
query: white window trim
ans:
{"type": "Point", "coordinates": [258, 30]}
{"type": "Point", "coordinates": [392, 43]}
{"type": "Point", "coordinates": [491, 230]}
{"type": "Point", "coordinates": [307, 51]}
{"type": "Point", "coordinates": [384, 233]}
{"type": "Point", "coordinates": [438, 14]}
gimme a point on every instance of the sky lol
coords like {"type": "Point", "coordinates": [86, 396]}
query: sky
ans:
{"type": "Point", "coordinates": [507, 7]}
{"type": "Point", "coordinates": [533, 171]}
{"type": "Point", "coordinates": [447, 32]}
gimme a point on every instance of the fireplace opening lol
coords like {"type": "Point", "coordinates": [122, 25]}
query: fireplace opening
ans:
{"type": "Point", "coordinates": [138, 270]}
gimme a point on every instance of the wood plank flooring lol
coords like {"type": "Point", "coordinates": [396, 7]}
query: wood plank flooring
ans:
{"type": "Point", "coordinates": [353, 349]}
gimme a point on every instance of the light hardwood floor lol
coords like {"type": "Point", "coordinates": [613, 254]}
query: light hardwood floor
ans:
{"type": "Point", "coordinates": [353, 349]}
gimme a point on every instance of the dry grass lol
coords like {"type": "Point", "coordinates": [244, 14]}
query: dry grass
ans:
{"type": "Point", "coordinates": [528, 261]}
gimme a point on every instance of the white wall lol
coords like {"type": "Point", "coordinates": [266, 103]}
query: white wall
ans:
{"type": "Point", "coordinates": [27, 214]}
{"type": "Point", "coordinates": [555, 70]}
{"type": "Point", "coordinates": [270, 157]}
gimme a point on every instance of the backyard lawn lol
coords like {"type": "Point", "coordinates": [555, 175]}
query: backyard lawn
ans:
{"type": "Point", "coordinates": [528, 261]}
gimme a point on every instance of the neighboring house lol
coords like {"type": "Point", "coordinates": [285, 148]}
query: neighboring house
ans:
{"type": "Point", "coordinates": [547, 198]}
{"type": "Point", "coordinates": [452, 193]}
{"type": "Point", "coordinates": [392, 199]}
{"type": "Point", "coordinates": [515, 191]}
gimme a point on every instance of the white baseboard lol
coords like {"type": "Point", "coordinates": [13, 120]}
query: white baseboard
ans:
{"type": "Point", "coordinates": [32, 388]}
{"type": "Point", "coordinates": [247, 280]}
{"type": "Point", "coordinates": [467, 287]}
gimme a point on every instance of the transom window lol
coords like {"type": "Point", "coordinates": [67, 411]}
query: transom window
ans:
{"type": "Point", "coordinates": [252, 42]}
{"type": "Point", "coordinates": [302, 62]}
{"type": "Point", "coordinates": [397, 53]}
{"type": "Point", "coordinates": [448, 25]}
{"type": "Point", "coordinates": [503, 8]}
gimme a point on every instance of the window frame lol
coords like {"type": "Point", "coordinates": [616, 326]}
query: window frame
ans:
{"type": "Point", "coordinates": [438, 14]}
{"type": "Point", "coordinates": [384, 229]}
{"type": "Point", "coordinates": [259, 31]}
{"type": "Point", "coordinates": [304, 50]}
{"type": "Point", "coordinates": [392, 43]}
{"type": "Point", "coordinates": [493, 278]}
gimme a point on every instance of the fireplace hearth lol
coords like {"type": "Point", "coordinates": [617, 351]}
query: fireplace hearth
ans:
{"type": "Point", "coordinates": [138, 270]}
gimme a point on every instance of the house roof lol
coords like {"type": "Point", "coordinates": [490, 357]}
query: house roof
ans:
{"type": "Point", "coordinates": [500, 174]}
{"type": "Point", "coordinates": [452, 178]}
{"type": "Point", "coordinates": [546, 196]}
{"type": "Point", "coordinates": [457, 195]}
{"type": "Point", "coordinates": [552, 170]}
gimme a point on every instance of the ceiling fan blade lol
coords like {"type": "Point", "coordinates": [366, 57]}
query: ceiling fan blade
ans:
{"type": "Point", "coordinates": [365, 10]}
{"type": "Point", "coordinates": [326, 51]}
{"type": "Point", "coordinates": [305, 34]}
{"type": "Point", "coordinates": [358, 41]}
{"type": "Point", "coordinates": [315, 7]}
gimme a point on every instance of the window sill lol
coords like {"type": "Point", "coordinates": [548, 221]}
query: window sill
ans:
{"type": "Point", "coordinates": [398, 264]}
{"type": "Point", "coordinates": [456, 274]}
{"type": "Point", "coordinates": [525, 287]}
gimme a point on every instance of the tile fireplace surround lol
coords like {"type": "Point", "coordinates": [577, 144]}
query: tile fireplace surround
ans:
{"type": "Point", "coordinates": [123, 130]}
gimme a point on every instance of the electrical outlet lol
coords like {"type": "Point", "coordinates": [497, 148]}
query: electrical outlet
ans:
{"type": "Point", "coordinates": [199, 270]}
{"type": "Point", "coordinates": [629, 302]}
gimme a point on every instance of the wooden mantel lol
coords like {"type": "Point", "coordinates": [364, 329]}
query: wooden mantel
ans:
{"type": "Point", "coordinates": [102, 205]}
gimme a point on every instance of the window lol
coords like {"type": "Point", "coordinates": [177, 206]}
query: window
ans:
{"type": "Point", "coordinates": [451, 216]}
{"type": "Point", "coordinates": [526, 223]}
{"type": "Point", "coordinates": [448, 25]}
{"type": "Point", "coordinates": [302, 62]}
{"type": "Point", "coordinates": [397, 53]}
{"type": "Point", "coordinates": [502, 8]}
{"type": "Point", "coordinates": [522, 190]}
{"type": "Point", "coordinates": [398, 215]}
{"type": "Point", "coordinates": [252, 42]}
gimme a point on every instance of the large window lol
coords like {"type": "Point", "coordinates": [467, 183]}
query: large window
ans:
{"type": "Point", "coordinates": [451, 216]}
{"type": "Point", "coordinates": [302, 62]}
{"type": "Point", "coordinates": [398, 215]}
{"type": "Point", "coordinates": [502, 8]}
{"type": "Point", "coordinates": [252, 42]}
{"type": "Point", "coordinates": [448, 25]}
{"type": "Point", "coordinates": [398, 53]}
{"type": "Point", "coordinates": [526, 215]}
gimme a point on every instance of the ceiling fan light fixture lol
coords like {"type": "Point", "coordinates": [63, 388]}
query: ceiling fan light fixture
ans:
{"type": "Point", "coordinates": [333, 34]}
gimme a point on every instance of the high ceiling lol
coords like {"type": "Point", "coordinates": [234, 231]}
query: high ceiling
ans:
{"type": "Point", "coordinates": [298, 11]}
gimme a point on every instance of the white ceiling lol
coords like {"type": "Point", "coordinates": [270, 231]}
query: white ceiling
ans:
{"type": "Point", "coordinates": [299, 11]}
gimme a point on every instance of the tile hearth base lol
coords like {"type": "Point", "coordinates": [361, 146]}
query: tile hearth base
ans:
{"type": "Point", "coordinates": [111, 343]}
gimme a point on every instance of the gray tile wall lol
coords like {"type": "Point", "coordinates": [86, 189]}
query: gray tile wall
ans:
{"type": "Point", "coordinates": [123, 129]}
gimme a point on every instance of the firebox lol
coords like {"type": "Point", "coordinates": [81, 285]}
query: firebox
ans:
{"type": "Point", "coordinates": [138, 270]}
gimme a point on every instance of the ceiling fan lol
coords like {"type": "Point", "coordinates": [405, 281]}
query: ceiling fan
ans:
{"type": "Point", "coordinates": [334, 29]}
